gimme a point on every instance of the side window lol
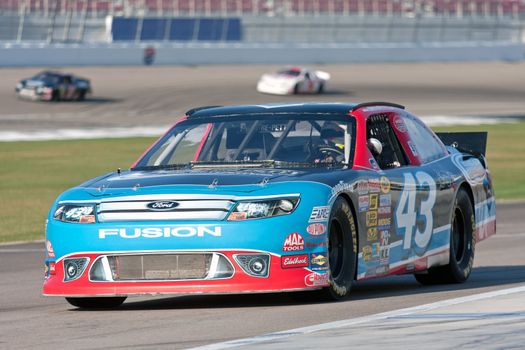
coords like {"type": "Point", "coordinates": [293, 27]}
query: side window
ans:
{"type": "Point", "coordinates": [391, 156]}
{"type": "Point", "coordinates": [423, 143]}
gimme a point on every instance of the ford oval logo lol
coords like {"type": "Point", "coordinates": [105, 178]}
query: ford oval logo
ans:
{"type": "Point", "coordinates": [162, 205]}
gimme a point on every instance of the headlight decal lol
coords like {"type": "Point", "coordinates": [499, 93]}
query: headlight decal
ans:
{"type": "Point", "coordinates": [259, 209]}
{"type": "Point", "coordinates": [75, 213]}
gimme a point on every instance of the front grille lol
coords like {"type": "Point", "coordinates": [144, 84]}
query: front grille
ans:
{"type": "Point", "coordinates": [155, 267]}
{"type": "Point", "coordinates": [187, 208]}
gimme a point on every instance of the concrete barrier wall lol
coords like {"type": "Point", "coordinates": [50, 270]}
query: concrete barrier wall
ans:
{"type": "Point", "coordinates": [55, 55]}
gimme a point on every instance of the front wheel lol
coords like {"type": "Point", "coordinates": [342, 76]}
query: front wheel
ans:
{"type": "Point", "coordinates": [462, 246]}
{"type": "Point", "coordinates": [96, 303]}
{"type": "Point", "coordinates": [342, 246]}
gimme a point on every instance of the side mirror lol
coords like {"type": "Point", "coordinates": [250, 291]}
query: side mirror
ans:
{"type": "Point", "coordinates": [375, 146]}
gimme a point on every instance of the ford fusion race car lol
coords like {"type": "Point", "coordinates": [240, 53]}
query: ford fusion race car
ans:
{"type": "Point", "coordinates": [269, 198]}
{"type": "Point", "coordinates": [53, 86]}
{"type": "Point", "coordinates": [294, 80]}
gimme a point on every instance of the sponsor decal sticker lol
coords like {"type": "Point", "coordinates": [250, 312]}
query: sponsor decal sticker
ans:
{"type": "Point", "coordinates": [292, 261]}
{"type": "Point", "coordinates": [384, 239]}
{"type": "Point", "coordinates": [384, 182]}
{"type": "Point", "coordinates": [374, 185]}
{"type": "Point", "coordinates": [317, 244]}
{"type": "Point", "coordinates": [381, 270]}
{"type": "Point", "coordinates": [385, 200]}
{"type": "Point", "coordinates": [373, 163]}
{"type": "Point", "coordinates": [319, 214]}
{"type": "Point", "coordinates": [399, 124]}
{"type": "Point", "coordinates": [236, 216]}
{"type": "Point", "coordinates": [49, 248]}
{"type": "Point", "coordinates": [316, 279]}
{"type": "Point", "coordinates": [362, 187]}
{"type": "Point", "coordinates": [384, 222]}
{"type": "Point", "coordinates": [159, 232]}
{"type": "Point", "coordinates": [371, 218]}
{"type": "Point", "coordinates": [384, 210]}
{"type": "Point", "coordinates": [316, 229]}
{"type": "Point", "coordinates": [412, 148]}
{"type": "Point", "coordinates": [374, 199]}
{"type": "Point", "coordinates": [376, 249]}
{"type": "Point", "coordinates": [318, 262]}
{"type": "Point", "coordinates": [341, 187]}
{"type": "Point", "coordinates": [367, 253]}
{"type": "Point", "coordinates": [372, 234]}
{"type": "Point", "coordinates": [363, 203]}
{"type": "Point", "coordinates": [293, 243]}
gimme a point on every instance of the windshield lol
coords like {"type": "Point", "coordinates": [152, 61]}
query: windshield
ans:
{"type": "Point", "coordinates": [292, 72]}
{"type": "Point", "coordinates": [46, 77]}
{"type": "Point", "coordinates": [272, 139]}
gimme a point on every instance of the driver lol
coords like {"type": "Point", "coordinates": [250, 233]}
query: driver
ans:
{"type": "Point", "coordinates": [332, 147]}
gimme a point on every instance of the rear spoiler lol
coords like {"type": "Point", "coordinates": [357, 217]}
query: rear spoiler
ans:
{"type": "Point", "coordinates": [471, 142]}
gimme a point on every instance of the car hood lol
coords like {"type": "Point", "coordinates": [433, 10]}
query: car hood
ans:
{"type": "Point", "coordinates": [279, 78]}
{"type": "Point", "coordinates": [32, 83]}
{"type": "Point", "coordinates": [238, 180]}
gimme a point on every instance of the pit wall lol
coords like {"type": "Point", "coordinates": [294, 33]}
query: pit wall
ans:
{"type": "Point", "coordinates": [57, 55]}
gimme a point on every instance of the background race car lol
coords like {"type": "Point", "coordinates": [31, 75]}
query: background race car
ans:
{"type": "Point", "coordinates": [293, 80]}
{"type": "Point", "coordinates": [274, 198]}
{"type": "Point", "coordinates": [54, 86]}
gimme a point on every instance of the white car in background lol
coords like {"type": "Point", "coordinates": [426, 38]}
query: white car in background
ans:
{"type": "Point", "coordinates": [293, 80]}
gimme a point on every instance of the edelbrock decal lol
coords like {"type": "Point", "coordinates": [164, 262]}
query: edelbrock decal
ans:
{"type": "Point", "coordinates": [292, 261]}
{"type": "Point", "coordinates": [158, 232]}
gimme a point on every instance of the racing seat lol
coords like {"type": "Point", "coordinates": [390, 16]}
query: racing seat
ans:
{"type": "Point", "coordinates": [257, 148]}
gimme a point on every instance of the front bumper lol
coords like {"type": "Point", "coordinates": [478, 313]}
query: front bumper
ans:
{"type": "Point", "coordinates": [32, 94]}
{"type": "Point", "coordinates": [281, 277]}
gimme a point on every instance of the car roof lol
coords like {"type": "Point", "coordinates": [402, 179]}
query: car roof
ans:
{"type": "Point", "coordinates": [49, 72]}
{"type": "Point", "coordinates": [312, 107]}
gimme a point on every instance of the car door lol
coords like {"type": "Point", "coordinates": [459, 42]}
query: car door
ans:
{"type": "Point", "coordinates": [422, 214]}
{"type": "Point", "coordinates": [379, 243]}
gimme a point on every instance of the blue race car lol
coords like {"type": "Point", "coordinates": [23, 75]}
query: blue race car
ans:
{"type": "Point", "coordinates": [269, 198]}
{"type": "Point", "coordinates": [53, 86]}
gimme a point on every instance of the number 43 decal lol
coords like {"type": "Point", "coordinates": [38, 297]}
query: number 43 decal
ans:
{"type": "Point", "coordinates": [406, 214]}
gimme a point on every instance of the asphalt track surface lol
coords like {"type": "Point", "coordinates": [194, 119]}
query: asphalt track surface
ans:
{"type": "Point", "coordinates": [28, 320]}
{"type": "Point", "coordinates": [134, 96]}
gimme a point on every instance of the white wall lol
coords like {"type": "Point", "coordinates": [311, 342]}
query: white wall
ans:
{"type": "Point", "coordinates": [27, 54]}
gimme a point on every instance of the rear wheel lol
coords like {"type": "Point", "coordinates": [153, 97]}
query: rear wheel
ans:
{"type": "Point", "coordinates": [462, 246]}
{"type": "Point", "coordinates": [81, 95]}
{"type": "Point", "coordinates": [321, 89]}
{"type": "Point", "coordinates": [96, 303]}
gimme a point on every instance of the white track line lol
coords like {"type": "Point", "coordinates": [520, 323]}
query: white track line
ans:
{"type": "Point", "coordinates": [21, 250]}
{"type": "Point", "coordinates": [359, 320]}
{"type": "Point", "coordinates": [87, 133]}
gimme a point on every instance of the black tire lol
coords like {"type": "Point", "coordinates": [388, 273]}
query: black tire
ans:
{"type": "Point", "coordinates": [55, 96]}
{"type": "Point", "coordinates": [462, 246]}
{"type": "Point", "coordinates": [321, 89]}
{"type": "Point", "coordinates": [81, 96]}
{"type": "Point", "coordinates": [96, 303]}
{"type": "Point", "coordinates": [342, 245]}
{"type": "Point", "coordinates": [296, 89]}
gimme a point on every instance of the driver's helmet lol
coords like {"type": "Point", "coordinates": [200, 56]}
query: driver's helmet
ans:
{"type": "Point", "coordinates": [333, 135]}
